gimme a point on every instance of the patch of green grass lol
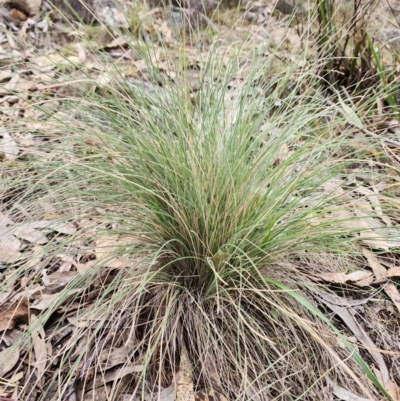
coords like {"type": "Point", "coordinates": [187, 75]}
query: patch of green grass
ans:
{"type": "Point", "coordinates": [204, 206]}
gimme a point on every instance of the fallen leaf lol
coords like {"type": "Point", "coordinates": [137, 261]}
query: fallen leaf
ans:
{"type": "Point", "coordinates": [30, 234]}
{"type": "Point", "coordinates": [9, 87]}
{"type": "Point", "coordinates": [82, 267]}
{"type": "Point", "coordinates": [47, 300]}
{"type": "Point", "coordinates": [60, 227]}
{"type": "Point", "coordinates": [379, 270]}
{"type": "Point", "coordinates": [121, 372]}
{"type": "Point", "coordinates": [394, 390]}
{"type": "Point", "coordinates": [81, 52]}
{"type": "Point", "coordinates": [376, 234]}
{"type": "Point", "coordinates": [5, 222]}
{"type": "Point", "coordinates": [347, 315]}
{"type": "Point", "coordinates": [119, 41]}
{"type": "Point", "coordinates": [393, 272]}
{"type": "Point", "coordinates": [115, 374]}
{"type": "Point", "coordinates": [342, 278]}
{"type": "Point", "coordinates": [5, 75]}
{"type": "Point", "coordinates": [39, 346]}
{"type": "Point", "coordinates": [9, 147]}
{"type": "Point", "coordinates": [373, 197]}
{"type": "Point", "coordinates": [17, 377]}
{"type": "Point", "coordinates": [106, 247]}
{"type": "Point", "coordinates": [114, 356]}
{"type": "Point", "coordinates": [114, 17]}
{"type": "Point", "coordinates": [20, 16]}
{"type": "Point", "coordinates": [346, 395]}
{"type": "Point", "coordinates": [8, 358]}
{"type": "Point", "coordinates": [393, 293]}
{"type": "Point", "coordinates": [9, 318]}
{"type": "Point", "coordinates": [58, 281]}
{"type": "Point", "coordinates": [10, 247]}
{"type": "Point", "coordinates": [381, 274]}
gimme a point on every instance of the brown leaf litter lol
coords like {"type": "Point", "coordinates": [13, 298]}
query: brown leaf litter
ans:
{"type": "Point", "coordinates": [30, 78]}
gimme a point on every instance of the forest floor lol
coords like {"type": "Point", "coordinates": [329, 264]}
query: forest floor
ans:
{"type": "Point", "coordinates": [44, 57]}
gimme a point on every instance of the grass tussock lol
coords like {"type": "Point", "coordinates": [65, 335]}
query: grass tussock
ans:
{"type": "Point", "coordinates": [198, 218]}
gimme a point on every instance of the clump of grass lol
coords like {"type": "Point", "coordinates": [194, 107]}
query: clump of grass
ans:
{"type": "Point", "coordinates": [203, 207]}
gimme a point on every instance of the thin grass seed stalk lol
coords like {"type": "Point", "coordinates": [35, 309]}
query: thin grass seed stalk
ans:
{"type": "Point", "coordinates": [200, 214]}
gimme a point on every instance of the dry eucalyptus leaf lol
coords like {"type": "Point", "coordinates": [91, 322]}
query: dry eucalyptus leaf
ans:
{"type": "Point", "coordinates": [9, 317]}
{"type": "Point", "coordinates": [39, 346]}
{"type": "Point", "coordinates": [119, 41]}
{"type": "Point", "coordinates": [17, 377]}
{"type": "Point", "coordinates": [30, 234]}
{"type": "Point", "coordinates": [394, 272]}
{"type": "Point", "coordinates": [373, 261]}
{"type": "Point", "coordinates": [60, 227]}
{"type": "Point", "coordinates": [393, 293]}
{"type": "Point", "coordinates": [114, 17]}
{"type": "Point", "coordinates": [114, 356]}
{"type": "Point", "coordinates": [8, 147]}
{"type": "Point", "coordinates": [8, 359]}
{"type": "Point", "coordinates": [342, 278]}
{"type": "Point", "coordinates": [5, 222]}
{"type": "Point", "coordinates": [105, 247]}
{"type": "Point", "coordinates": [47, 300]}
{"type": "Point", "coordinates": [334, 187]}
{"type": "Point", "coordinates": [81, 52]}
{"type": "Point", "coordinates": [346, 395]}
{"type": "Point", "coordinates": [377, 235]}
{"type": "Point", "coordinates": [381, 273]}
{"type": "Point", "coordinates": [10, 247]}
{"type": "Point", "coordinates": [59, 280]}
{"type": "Point", "coordinates": [68, 263]}
{"type": "Point", "coordinates": [347, 315]}
{"type": "Point", "coordinates": [394, 390]}
{"type": "Point", "coordinates": [5, 75]}
{"type": "Point", "coordinates": [116, 374]}
{"type": "Point", "coordinates": [373, 197]}
{"type": "Point", "coordinates": [10, 86]}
